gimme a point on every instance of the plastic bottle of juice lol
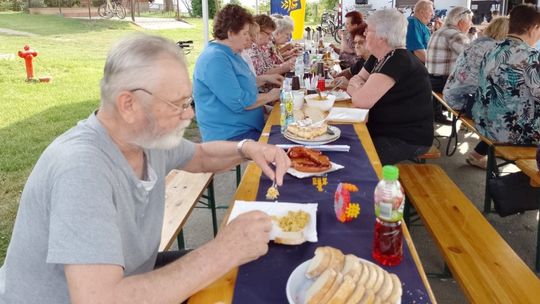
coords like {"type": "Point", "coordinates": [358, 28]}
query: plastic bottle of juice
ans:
{"type": "Point", "coordinates": [389, 204]}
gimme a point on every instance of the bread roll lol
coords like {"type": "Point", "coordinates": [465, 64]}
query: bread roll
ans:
{"type": "Point", "coordinates": [290, 238]}
{"type": "Point", "coordinates": [344, 291]}
{"type": "Point", "coordinates": [333, 289]}
{"type": "Point", "coordinates": [319, 263]}
{"type": "Point", "coordinates": [369, 297]}
{"type": "Point", "coordinates": [350, 263]}
{"type": "Point", "coordinates": [380, 279]}
{"type": "Point", "coordinates": [386, 288]}
{"type": "Point", "coordinates": [322, 285]}
{"type": "Point", "coordinates": [372, 276]}
{"type": "Point", "coordinates": [357, 294]}
{"type": "Point", "coordinates": [338, 259]}
{"type": "Point", "coordinates": [396, 289]}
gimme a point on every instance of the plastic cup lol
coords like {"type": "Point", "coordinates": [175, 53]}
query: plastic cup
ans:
{"type": "Point", "coordinates": [298, 100]}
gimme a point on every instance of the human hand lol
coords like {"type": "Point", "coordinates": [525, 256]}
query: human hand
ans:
{"type": "Point", "coordinates": [355, 83]}
{"type": "Point", "coordinates": [342, 81]}
{"type": "Point", "coordinates": [246, 237]}
{"type": "Point", "coordinates": [273, 94]}
{"type": "Point", "coordinates": [276, 79]}
{"type": "Point", "coordinates": [264, 154]}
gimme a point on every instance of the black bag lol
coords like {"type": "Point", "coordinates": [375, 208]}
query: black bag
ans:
{"type": "Point", "coordinates": [513, 194]}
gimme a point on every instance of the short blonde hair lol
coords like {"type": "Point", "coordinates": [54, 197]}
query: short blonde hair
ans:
{"type": "Point", "coordinates": [254, 29]}
{"type": "Point", "coordinates": [423, 5]}
{"type": "Point", "coordinates": [497, 28]}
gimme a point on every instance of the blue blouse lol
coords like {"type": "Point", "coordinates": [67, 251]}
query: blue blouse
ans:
{"type": "Point", "coordinates": [507, 101]}
{"type": "Point", "coordinates": [223, 86]}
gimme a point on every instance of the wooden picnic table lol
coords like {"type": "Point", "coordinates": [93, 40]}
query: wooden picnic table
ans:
{"type": "Point", "coordinates": [222, 290]}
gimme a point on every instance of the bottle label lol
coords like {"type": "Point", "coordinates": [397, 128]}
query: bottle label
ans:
{"type": "Point", "coordinates": [385, 211]}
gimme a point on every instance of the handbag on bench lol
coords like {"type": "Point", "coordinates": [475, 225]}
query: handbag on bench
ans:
{"type": "Point", "coordinates": [513, 194]}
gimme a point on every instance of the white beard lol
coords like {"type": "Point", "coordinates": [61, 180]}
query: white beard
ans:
{"type": "Point", "coordinates": [149, 140]}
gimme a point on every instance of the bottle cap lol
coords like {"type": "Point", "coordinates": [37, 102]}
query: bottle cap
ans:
{"type": "Point", "coordinates": [390, 172]}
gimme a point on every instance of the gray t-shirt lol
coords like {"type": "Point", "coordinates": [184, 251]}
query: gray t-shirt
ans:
{"type": "Point", "coordinates": [83, 204]}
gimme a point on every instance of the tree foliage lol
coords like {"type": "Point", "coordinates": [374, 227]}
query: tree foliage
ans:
{"type": "Point", "coordinates": [196, 6]}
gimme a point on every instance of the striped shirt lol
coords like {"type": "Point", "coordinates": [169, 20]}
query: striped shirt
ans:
{"type": "Point", "coordinates": [443, 49]}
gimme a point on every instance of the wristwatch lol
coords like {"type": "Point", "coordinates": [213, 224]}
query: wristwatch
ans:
{"type": "Point", "coordinates": [240, 145]}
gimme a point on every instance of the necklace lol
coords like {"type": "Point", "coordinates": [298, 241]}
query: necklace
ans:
{"type": "Point", "coordinates": [514, 37]}
{"type": "Point", "coordinates": [381, 63]}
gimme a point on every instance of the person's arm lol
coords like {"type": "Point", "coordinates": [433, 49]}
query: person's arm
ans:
{"type": "Point", "coordinates": [222, 155]}
{"type": "Point", "coordinates": [365, 93]}
{"type": "Point", "coordinates": [275, 79]}
{"type": "Point", "coordinates": [243, 240]}
{"type": "Point", "coordinates": [282, 68]}
{"type": "Point", "coordinates": [265, 98]}
{"type": "Point", "coordinates": [421, 54]}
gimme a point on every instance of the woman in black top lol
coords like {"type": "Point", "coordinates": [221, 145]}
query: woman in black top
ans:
{"type": "Point", "coordinates": [395, 86]}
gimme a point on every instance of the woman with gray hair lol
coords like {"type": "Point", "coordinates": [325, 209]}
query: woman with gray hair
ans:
{"type": "Point", "coordinates": [281, 50]}
{"type": "Point", "coordinates": [394, 85]}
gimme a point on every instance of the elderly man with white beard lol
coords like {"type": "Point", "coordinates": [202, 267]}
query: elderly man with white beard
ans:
{"type": "Point", "coordinates": [90, 216]}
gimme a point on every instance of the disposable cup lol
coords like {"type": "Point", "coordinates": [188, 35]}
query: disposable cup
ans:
{"type": "Point", "coordinates": [298, 100]}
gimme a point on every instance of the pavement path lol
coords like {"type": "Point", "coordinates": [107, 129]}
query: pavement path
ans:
{"type": "Point", "coordinates": [16, 33]}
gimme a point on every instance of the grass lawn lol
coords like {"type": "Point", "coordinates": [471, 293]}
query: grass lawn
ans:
{"type": "Point", "coordinates": [73, 52]}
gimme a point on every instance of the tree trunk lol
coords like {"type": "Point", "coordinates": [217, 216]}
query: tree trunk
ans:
{"type": "Point", "coordinates": [169, 7]}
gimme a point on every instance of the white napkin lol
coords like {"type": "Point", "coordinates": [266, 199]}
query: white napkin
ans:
{"type": "Point", "coordinates": [347, 115]}
{"type": "Point", "coordinates": [299, 174]}
{"type": "Point", "coordinates": [341, 95]}
{"type": "Point", "coordinates": [279, 209]}
{"type": "Point", "coordinates": [333, 148]}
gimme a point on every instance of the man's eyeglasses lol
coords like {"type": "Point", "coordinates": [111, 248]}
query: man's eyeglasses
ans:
{"type": "Point", "coordinates": [186, 104]}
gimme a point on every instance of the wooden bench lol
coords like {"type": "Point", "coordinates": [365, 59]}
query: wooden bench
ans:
{"type": "Point", "coordinates": [485, 266]}
{"type": "Point", "coordinates": [183, 191]}
{"type": "Point", "coordinates": [432, 153]}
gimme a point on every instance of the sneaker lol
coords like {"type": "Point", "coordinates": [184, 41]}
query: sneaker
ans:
{"type": "Point", "coordinates": [441, 119]}
{"type": "Point", "coordinates": [477, 162]}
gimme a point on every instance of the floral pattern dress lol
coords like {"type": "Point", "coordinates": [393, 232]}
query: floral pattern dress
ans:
{"type": "Point", "coordinates": [464, 78]}
{"type": "Point", "coordinates": [261, 58]}
{"type": "Point", "coordinates": [507, 101]}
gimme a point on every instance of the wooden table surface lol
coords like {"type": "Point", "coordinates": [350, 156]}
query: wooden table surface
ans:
{"type": "Point", "coordinates": [529, 167]}
{"type": "Point", "coordinates": [222, 290]}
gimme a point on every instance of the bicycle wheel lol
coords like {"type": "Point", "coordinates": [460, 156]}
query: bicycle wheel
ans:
{"type": "Point", "coordinates": [335, 34]}
{"type": "Point", "coordinates": [120, 11]}
{"type": "Point", "coordinates": [104, 12]}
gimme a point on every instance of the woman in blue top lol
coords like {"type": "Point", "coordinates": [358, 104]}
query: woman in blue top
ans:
{"type": "Point", "coordinates": [227, 104]}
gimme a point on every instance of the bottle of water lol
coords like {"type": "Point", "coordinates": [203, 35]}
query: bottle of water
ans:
{"type": "Point", "coordinates": [299, 68]}
{"type": "Point", "coordinates": [389, 204]}
{"type": "Point", "coordinates": [286, 108]}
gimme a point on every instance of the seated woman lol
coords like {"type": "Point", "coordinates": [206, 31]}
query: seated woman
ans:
{"type": "Point", "coordinates": [282, 50]}
{"type": "Point", "coordinates": [362, 53]}
{"type": "Point", "coordinates": [346, 51]}
{"type": "Point", "coordinates": [463, 81]}
{"type": "Point", "coordinates": [261, 55]}
{"type": "Point", "coordinates": [507, 101]}
{"type": "Point", "coordinates": [395, 86]}
{"type": "Point", "coordinates": [227, 104]}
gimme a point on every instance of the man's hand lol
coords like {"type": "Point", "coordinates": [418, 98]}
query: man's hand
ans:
{"type": "Point", "coordinates": [246, 237]}
{"type": "Point", "coordinates": [264, 154]}
{"type": "Point", "coordinates": [342, 81]}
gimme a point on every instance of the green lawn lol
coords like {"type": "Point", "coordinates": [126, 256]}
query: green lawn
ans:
{"type": "Point", "coordinates": [73, 52]}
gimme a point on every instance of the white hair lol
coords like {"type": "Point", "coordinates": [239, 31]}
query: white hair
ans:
{"type": "Point", "coordinates": [283, 23]}
{"type": "Point", "coordinates": [457, 14]}
{"type": "Point", "coordinates": [422, 5]}
{"type": "Point", "coordinates": [131, 62]}
{"type": "Point", "coordinates": [391, 25]}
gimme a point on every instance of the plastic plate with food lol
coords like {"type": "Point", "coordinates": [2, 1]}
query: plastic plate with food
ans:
{"type": "Point", "coordinates": [286, 217]}
{"type": "Point", "coordinates": [332, 135]}
{"type": "Point", "coordinates": [351, 279]}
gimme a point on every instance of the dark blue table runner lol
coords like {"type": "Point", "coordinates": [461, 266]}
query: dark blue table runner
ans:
{"type": "Point", "coordinates": [264, 280]}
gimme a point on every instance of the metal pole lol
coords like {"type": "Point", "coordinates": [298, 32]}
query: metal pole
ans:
{"type": "Point", "coordinates": [205, 20]}
{"type": "Point", "coordinates": [256, 7]}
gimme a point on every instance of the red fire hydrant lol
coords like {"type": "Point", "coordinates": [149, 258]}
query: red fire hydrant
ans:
{"type": "Point", "coordinates": [28, 55]}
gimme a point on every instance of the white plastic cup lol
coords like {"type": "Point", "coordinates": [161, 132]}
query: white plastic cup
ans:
{"type": "Point", "coordinates": [298, 100]}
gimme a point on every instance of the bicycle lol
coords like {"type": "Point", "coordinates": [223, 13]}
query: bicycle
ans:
{"type": "Point", "coordinates": [185, 45]}
{"type": "Point", "coordinates": [330, 25]}
{"type": "Point", "coordinates": [112, 8]}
